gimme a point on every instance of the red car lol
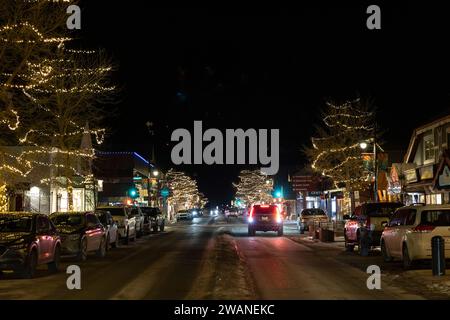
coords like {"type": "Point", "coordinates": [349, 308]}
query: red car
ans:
{"type": "Point", "coordinates": [26, 241]}
{"type": "Point", "coordinates": [265, 218]}
{"type": "Point", "coordinates": [365, 226]}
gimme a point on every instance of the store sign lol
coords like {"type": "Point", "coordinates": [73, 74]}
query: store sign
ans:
{"type": "Point", "coordinates": [305, 184]}
{"type": "Point", "coordinates": [444, 178]}
{"type": "Point", "coordinates": [426, 172]}
{"type": "Point", "coordinates": [411, 175]}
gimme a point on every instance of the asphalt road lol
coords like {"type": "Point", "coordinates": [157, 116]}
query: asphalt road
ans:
{"type": "Point", "coordinates": [209, 258]}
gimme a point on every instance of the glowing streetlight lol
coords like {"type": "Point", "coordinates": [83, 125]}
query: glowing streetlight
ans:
{"type": "Point", "coordinates": [363, 145]}
{"type": "Point", "coordinates": [155, 173]}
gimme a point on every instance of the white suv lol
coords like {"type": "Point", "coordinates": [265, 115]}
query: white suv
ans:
{"type": "Point", "coordinates": [126, 222]}
{"type": "Point", "coordinates": [408, 234]}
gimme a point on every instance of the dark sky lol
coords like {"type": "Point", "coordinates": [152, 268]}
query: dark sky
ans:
{"type": "Point", "coordinates": [266, 67]}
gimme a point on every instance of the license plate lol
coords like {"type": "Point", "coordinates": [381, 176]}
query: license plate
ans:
{"type": "Point", "coordinates": [264, 218]}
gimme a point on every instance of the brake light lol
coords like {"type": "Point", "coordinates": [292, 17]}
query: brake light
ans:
{"type": "Point", "coordinates": [423, 228]}
{"type": "Point", "coordinates": [264, 206]}
{"type": "Point", "coordinates": [250, 217]}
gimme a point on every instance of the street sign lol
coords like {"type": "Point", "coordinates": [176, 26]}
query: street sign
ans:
{"type": "Point", "coordinates": [165, 192]}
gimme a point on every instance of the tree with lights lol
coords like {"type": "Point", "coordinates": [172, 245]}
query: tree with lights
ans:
{"type": "Point", "coordinates": [49, 93]}
{"type": "Point", "coordinates": [336, 151]}
{"type": "Point", "coordinates": [253, 187]}
{"type": "Point", "coordinates": [184, 192]}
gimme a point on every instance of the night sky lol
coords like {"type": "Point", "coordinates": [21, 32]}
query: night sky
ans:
{"type": "Point", "coordinates": [266, 67]}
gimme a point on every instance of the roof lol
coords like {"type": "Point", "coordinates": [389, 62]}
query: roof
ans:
{"type": "Point", "coordinates": [420, 130]}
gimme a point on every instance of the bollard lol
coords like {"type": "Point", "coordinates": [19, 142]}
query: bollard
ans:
{"type": "Point", "coordinates": [438, 256]}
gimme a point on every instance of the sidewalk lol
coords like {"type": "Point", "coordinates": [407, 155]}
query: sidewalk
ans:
{"type": "Point", "coordinates": [419, 279]}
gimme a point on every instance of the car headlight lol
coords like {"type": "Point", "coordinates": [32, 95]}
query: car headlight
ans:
{"type": "Point", "coordinates": [279, 220]}
{"type": "Point", "coordinates": [194, 213]}
{"type": "Point", "coordinates": [250, 219]}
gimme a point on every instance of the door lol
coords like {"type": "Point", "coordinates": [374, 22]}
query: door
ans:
{"type": "Point", "coordinates": [45, 239]}
{"type": "Point", "coordinates": [93, 233]}
{"type": "Point", "coordinates": [398, 232]}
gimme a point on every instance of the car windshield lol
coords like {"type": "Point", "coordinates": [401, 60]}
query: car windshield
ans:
{"type": "Point", "coordinates": [438, 218]}
{"type": "Point", "coordinates": [382, 209]}
{"type": "Point", "coordinates": [72, 220]}
{"type": "Point", "coordinates": [116, 211]}
{"type": "Point", "coordinates": [15, 223]}
{"type": "Point", "coordinates": [150, 211]}
{"type": "Point", "coordinates": [313, 212]}
{"type": "Point", "coordinates": [101, 214]}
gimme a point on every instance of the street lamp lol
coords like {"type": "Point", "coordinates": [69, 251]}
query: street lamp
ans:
{"type": "Point", "coordinates": [155, 173]}
{"type": "Point", "coordinates": [363, 145]}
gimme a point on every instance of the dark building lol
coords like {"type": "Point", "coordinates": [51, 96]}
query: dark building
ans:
{"type": "Point", "coordinates": [122, 176]}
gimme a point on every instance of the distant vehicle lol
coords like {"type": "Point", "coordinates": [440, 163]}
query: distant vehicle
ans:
{"type": "Point", "coordinates": [126, 222]}
{"type": "Point", "coordinates": [265, 218]}
{"type": "Point", "coordinates": [112, 231]}
{"type": "Point", "coordinates": [309, 217]}
{"type": "Point", "coordinates": [197, 212]}
{"type": "Point", "coordinates": [81, 233]}
{"type": "Point", "coordinates": [154, 219]}
{"type": "Point", "coordinates": [185, 214]}
{"type": "Point", "coordinates": [365, 226]}
{"type": "Point", "coordinates": [408, 234]}
{"type": "Point", "coordinates": [26, 241]}
{"type": "Point", "coordinates": [231, 212]}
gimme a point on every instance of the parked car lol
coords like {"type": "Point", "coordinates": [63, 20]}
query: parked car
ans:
{"type": "Point", "coordinates": [365, 226]}
{"type": "Point", "coordinates": [81, 233]}
{"type": "Point", "coordinates": [408, 234]}
{"type": "Point", "coordinates": [265, 218]}
{"type": "Point", "coordinates": [26, 241]}
{"type": "Point", "coordinates": [185, 214]}
{"type": "Point", "coordinates": [309, 217]}
{"type": "Point", "coordinates": [112, 231]}
{"type": "Point", "coordinates": [139, 216]}
{"type": "Point", "coordinates": [126, 222]}
{"type": "Point", "coordinates": [154, 219]}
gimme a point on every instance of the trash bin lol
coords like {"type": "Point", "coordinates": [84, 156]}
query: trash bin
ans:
{"type": "Point", "coordinates": [438, 256]}
{"type": "Point", "coordinates": [326, 235]}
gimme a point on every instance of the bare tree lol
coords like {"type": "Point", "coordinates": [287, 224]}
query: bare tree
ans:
{"type": "Point", "coordinates": [253, 187]}
{"type": "Point", "coordinates": [336, 151]}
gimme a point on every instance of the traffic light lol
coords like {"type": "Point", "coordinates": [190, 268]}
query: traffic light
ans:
{"type": "Point", "coordinates": [278, 193]}
{"type": "Point", "coordinates": [133, 193]}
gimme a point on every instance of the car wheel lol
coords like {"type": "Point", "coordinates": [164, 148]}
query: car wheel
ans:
{"type": "Point", "coordinates": [161, 227]}
{"type": "Point", "coordinates": [280, 231]}
{"type": "Point", "coordinates": [407, 262]}
{"type": "Point", "coordinates": [116, 243]}
{"type": "Point", "coordinates": [250, 232]}
{"type": "Point", "coordinates": [384, 253]}
{"type": "Point", "coordinates": [134, 236]}
{"type": "Point", "coordinates": [101, 252]}
{"type": "Point", "coordinates": [31, 264]}
{"type": "Point", "coordinates": [155, 228]}
{"type": "Point", "coordinates": [53, 266]}
{"type": "Point", "coordinates": [82, 255]}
